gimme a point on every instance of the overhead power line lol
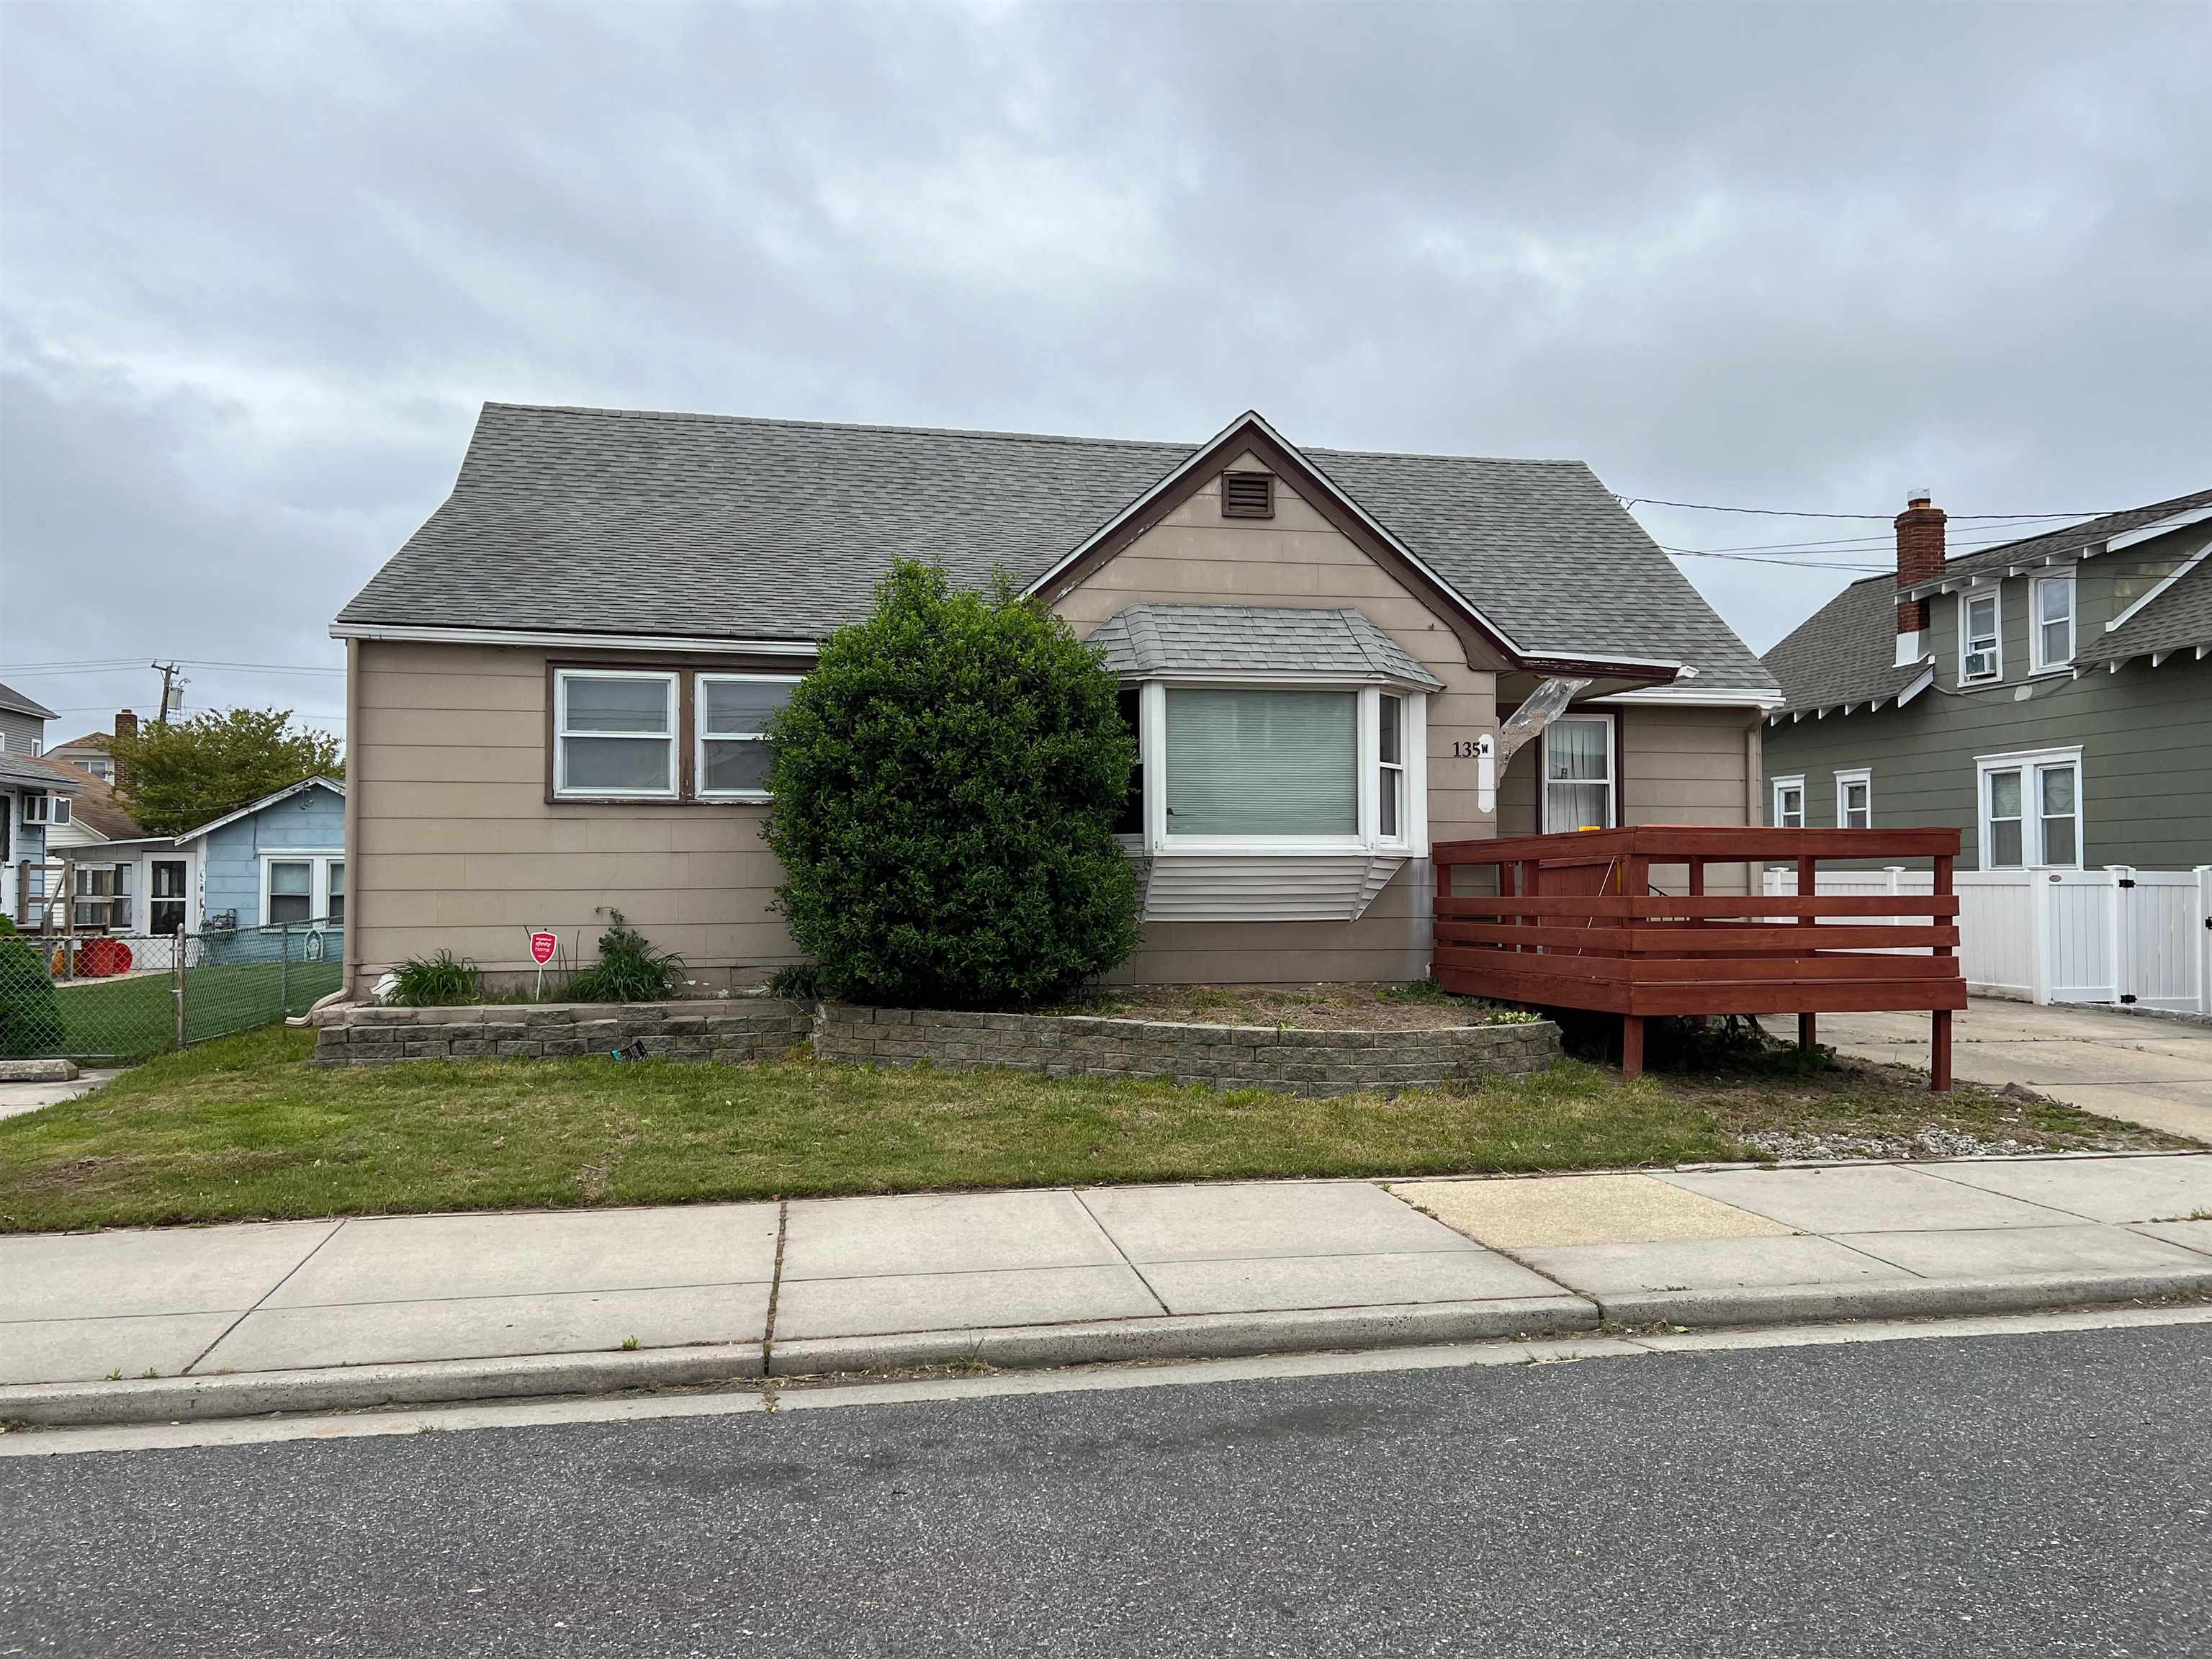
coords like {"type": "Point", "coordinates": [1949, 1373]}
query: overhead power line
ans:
{"type": "Point", "coordinates": [1880, 517]}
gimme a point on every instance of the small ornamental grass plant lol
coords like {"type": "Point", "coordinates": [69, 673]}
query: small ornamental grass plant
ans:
{"type": "Point", "coordinates": [438, 982]}
{"type": "Point", "coordinates": [943, 795]}
{"type": "Point", "coordinates": [630, 970]}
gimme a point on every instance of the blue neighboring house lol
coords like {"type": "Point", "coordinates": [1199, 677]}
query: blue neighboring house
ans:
{"type": "Point", "coordinates": [279, 859]}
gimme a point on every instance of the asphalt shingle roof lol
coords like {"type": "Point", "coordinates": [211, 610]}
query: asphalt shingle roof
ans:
{"type": "Point", "coordinates": [1845, 651]}
{"type": "Point", "coordinates": [2072, 541]}
{"type": "Point", "coordinates": [1216, 639]}
{"type": "Point", "coordinates": [12, 699]}
{"type": "Point", "coordinates": [92, 803]}
{"type": "Point", "coordinates": [625, 522]}
{"type": "Point", "coordinates": [2177, 618]}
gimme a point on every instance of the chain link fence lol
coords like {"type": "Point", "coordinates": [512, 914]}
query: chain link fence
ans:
{"type": "Point", "coordinates": [109, 998]}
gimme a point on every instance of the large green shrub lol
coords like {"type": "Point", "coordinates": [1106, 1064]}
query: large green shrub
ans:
{"type": "Point", "coordinates": [944, 788]}
{"type": "Point", "coordinates": [30, 1013]}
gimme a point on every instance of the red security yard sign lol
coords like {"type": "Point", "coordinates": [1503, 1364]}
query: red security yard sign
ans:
{"type": "Point", "coordinates": [542, 946]}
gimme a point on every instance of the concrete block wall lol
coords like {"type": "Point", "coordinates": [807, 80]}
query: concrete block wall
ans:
{"type": "Point", "coordinates": [763, 1028]}
{"type": "Point", "coordinates": [1224, 1056]}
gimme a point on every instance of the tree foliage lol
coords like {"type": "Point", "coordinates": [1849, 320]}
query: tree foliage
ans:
{"type": "Point", "coordinates": [178, 776]}
{"type": "Point", "coordinates": [945, 788]}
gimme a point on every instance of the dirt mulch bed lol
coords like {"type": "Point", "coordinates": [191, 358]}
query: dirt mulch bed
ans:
{"type": "Point", "coordinates": [1308, 1007]}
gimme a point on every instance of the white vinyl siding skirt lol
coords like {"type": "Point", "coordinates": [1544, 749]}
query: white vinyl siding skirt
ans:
{"type": "Point", "coordinates": [1278, 887]}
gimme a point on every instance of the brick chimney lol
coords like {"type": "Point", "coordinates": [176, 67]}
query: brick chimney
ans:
{"type": "Point", "coordinates": [1919, 559]}
{"type": "Point", "coordinates": [126, 725]}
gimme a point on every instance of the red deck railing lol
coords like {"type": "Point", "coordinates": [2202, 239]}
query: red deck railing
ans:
{"type": "Point", "coordinates": [1575, 921]}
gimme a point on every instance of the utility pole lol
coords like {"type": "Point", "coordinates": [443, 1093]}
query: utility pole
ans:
{"type": "Point", "coordinates": [168, 670]}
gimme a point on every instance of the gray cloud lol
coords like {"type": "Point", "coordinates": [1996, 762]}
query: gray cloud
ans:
{"type": "Point", "coordinates": [257, 266]}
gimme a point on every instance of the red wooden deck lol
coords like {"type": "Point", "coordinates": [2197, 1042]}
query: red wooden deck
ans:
{"type": "Point", "coordinates": [1573, 921]}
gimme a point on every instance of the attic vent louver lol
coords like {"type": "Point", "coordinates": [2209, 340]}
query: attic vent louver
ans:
{"type": "Point", "coordinates": [1247, 495]}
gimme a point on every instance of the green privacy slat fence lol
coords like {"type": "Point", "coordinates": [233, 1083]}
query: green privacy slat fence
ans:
{"type": "Point", "coordinates": [76, 999]}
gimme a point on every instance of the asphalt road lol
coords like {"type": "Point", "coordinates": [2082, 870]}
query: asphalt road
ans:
{"type": "Point", "coordinates": [2019, 1495]}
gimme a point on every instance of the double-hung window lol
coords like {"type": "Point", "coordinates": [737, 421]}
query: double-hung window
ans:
{"type": "Point", "coordinates": [614, 734]}
{"type": "Point", "coordinates": [291, 890]}
{"type": "Point", "coordinates": [1855, 799]}
{"type": "Point", "coordinates": [1789, 803]}
{"type": "Point", "coordinates": [2053, 614]}
{"type": "Point", "coordinates": [1578, 780]}
{"type": "Point", "coordinates": [303, 885]}
{"type": "Point", "coordinates": [2031, 810]}
{"type": "Point", "coordinates": [731, 714]}
{"type": "Point", "coordinates": [1981, 656]}
{"type": "Point", "coordinates": [1390, 779]}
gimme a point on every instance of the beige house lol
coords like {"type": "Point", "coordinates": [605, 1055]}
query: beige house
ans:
{"type": "Point", "coordinates": [556, 689]}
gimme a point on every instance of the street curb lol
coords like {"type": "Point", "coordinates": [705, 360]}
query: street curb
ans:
{"type": "Point", "coordinates": [350, 1388]}
{"type": "Point", "coordinates": [1198, 1336]}
{"type": "Point", "coordinates": [1210, 1336]}
{"type": "Point", "coordinates": [1884, 1298]}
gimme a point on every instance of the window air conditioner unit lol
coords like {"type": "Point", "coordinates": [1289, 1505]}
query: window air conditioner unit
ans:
{"type": "Point", "coordinates": [1980, 665]}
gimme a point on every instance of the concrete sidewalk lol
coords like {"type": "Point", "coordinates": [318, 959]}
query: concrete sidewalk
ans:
{"type": "Point", "coordinates": [2155, 1071]}
{"type": "Point", "coordinates": [310, 1315]}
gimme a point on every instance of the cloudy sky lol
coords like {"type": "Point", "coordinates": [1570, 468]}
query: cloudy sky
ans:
{"type": "Point", "coordinates": [258, 266]}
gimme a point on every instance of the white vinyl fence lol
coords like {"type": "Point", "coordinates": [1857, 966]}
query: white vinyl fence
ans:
{"type": "Point", "coordinates": [2117, 934]}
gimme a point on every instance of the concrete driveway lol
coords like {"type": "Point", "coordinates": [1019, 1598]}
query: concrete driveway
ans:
{"type": "Point", "coordinates": [2153, 1072]}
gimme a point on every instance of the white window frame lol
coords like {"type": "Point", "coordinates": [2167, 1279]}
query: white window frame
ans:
{"type": "Point", "coordinates": [48, 809]}
{"type": "Point", "coordinates": [2037, 660]}
{"type": "Point", "coordinates": [562, 733]}
{"type": "Point", "coordinates": [1994, 593]}
{"type": "Point", "coordinates": [2031, 764]}
{"type": "Point", "coordinates": [320, 860]}
{"type": "Point", "coordinates": [1612, 781]}
{"type": "Point", "coordinates": [1412, 839]}
{"type": "Point", "coordinates": [1399, 767]}
{"type": "Point", "coordinates": [1781, 787]}
{"type": "Point", "coordinates": [701, 737]}
{"type": "Point", "coordinates": [1845, 777]}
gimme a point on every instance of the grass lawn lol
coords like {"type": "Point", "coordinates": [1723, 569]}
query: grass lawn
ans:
{"type": "Point", "coordinates": [242, 1128]}
{"type": "Point", "coordinates": [130, 1018]}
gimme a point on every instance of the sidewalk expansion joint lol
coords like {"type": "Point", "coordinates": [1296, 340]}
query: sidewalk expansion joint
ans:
{"type": "Point", "coordinates": [263, 1298]}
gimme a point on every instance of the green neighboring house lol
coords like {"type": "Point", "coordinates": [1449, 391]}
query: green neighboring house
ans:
{"type": "Point", "coordinates": [2050, 697]}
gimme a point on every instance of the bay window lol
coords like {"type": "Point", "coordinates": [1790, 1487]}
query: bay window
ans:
{"type": "Point", "coordinates": [1578, 780]}
{"type": "Point", "coordinates": [2031, 810]}
{"type": "Point", "coordinates": [614, 734]}
{"type": "Point", "coordinates": [1290, 769]}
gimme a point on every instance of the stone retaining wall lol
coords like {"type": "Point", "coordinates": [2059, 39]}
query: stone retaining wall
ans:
{"type": "Point", "coordinates": [1226, 1056]}
{"type": "Point", "coordinates": [755, 1028]}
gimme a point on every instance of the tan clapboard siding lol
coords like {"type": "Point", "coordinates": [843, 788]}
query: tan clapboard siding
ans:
{"type": "Point", "coordinates": [1195, 556]}
{"type": "Point", "coordinates": [458, 848]}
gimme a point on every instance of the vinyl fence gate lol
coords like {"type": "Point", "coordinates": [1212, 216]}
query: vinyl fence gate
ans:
{"type": "Point", "coordinates": [2135, 938]}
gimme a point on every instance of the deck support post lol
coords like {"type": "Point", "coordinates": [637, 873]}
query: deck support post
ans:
{"type": "Point", "coordinates": [1631, 1047]}
{"type": "Point", "coordinates": [1808, 1033]}
{"type": "Point", "coordinates": [1939, 1033]}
